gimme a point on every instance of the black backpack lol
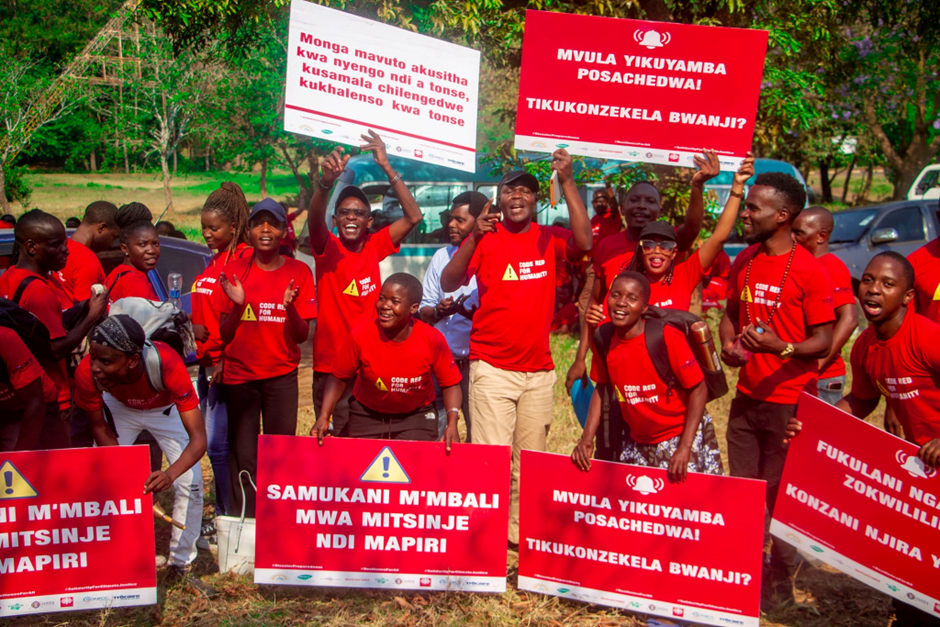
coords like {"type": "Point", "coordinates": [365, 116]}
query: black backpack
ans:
{"type": "Point", "coordinates": [29, 328]}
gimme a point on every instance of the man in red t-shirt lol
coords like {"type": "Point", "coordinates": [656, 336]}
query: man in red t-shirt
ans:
{"type": "Point", "coordinates": [776, 327]}
{"type": "Point", "coordinates": [117, 377]}
{"type": "Point", "coordinates": [511, 368]}
{"type": "Point", "coordinates": [614, 253]}
{"type": "Point", "coordinates": [715, 285]}
{"type": "Point", "coordinates": [42, 248]}
{"type": "Point", "coordinates": [347, 265]}
{"type": "Point", "coordinates": [605, 222]}
{"type": "Point", "coordinates": [926, 263]}
{"type": "Point", "coordinates": [26, 395]}
{"type": "Point", "coordinates": [95, 234]}
{"type": "Point", "coordinates": [811, 230]}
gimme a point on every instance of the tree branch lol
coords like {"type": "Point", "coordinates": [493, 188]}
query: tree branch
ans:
{"type": "Point", "coordinates": [881, 137]}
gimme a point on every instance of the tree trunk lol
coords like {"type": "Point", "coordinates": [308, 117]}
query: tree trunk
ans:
{"type": "Point", "coordinates": [207, 158]}
{"type": "Point", "coordinates": [165, 167]}
{"type": "Point", "coordinates": [905, 177]}
{"type": "Point", "coordinates": [3, 191]}
{"type": "Point", "coordinates": [824, 181]}
{"type": "Point", "coordinates": [862, 197]}
{"type": "Point", "coordinates": [848, 178]}
{"type": "Point", "coordinates": [264, 178]}
{"type": "Point", "coordinates": [127, 163]}
{"type": "Point", "coordinates": [174, 162]}
{"type": "Point", "coordinates": [92, 162]}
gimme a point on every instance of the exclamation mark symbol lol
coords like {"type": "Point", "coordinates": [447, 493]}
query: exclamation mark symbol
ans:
{"type": "Point", "coordinates": [385, 462]}
{"type": "Point", "coordinates": [8, 480]}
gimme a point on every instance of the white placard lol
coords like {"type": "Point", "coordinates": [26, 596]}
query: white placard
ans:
{"type": "Point", "coordinates": [347, 74]}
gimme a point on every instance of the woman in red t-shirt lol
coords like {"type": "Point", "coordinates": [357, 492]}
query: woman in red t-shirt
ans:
{"type": "Point", "coordinates": [141, 247]}
{"type": "Point", "coordinates": [668, 428]}
{"type": "Point", "coordinates": [395, 358]}
{"type": "Point", "coordinates": [225, 228]}
{"type": "Point", "coordinates": [266, 303]}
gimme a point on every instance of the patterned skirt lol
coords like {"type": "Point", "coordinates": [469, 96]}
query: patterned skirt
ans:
{"type": "Point", "coordinates": [705, 458]}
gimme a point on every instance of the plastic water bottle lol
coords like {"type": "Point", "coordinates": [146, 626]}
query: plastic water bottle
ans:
{"type": "Point", "coordinates": [174, 282]}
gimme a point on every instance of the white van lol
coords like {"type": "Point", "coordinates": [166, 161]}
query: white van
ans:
{"type": "Point", "coordinates": [926, 185]}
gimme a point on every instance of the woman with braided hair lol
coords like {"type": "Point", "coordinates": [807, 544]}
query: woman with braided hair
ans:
{"type": "Point", "coordinates": [141, 247]}
{"type": "Point", "coordinates": [225, 228]}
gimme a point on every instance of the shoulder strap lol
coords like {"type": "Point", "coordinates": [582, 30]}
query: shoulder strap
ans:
{"type": "Point", "coordinates": [153, 366]}
{"type": "Point", "coordinates": [602, 338]}
{"type": "Point", "coordinates": [22, 288]}
{"type": "Point", "coordinates": [655, 333]}
{"type": "Point", "coordinates": [117, 278]}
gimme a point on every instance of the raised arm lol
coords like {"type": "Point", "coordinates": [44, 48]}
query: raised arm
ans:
{"type": "Point", "coordinates": [330, 169]}
{"type": "Point", "coordinates": [690, 228]}
{"type": "Point", "coordinates": [581, 236]}
{"type": "Point", "coordinates": [400, 228]}
{"type": "Point", "coordinates": [454, 274]}
{"type": "Point", "coordinates": [725, 225]}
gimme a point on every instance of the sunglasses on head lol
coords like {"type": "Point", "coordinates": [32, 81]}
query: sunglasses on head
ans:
{"type": "Point", "coordinates": [649, 245]}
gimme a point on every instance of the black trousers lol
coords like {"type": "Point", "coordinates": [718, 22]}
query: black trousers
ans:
{"type": "Point", "coordinates": [419, 425]}
{"type": "Point", "coordinates": [271, 403]}
{"type": "Point", "coordinates": [756, 450]}
{"type": "Point", "coordinates": [341, 411]}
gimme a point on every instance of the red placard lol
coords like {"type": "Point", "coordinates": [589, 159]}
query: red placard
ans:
{"type": "Point", "coordinates": [382, 514]}
{"type": "Point", "coordinates": [623, 536]}
{"type": "Point", "coordinates": [859, 499]}
{"type": "Point", "coordinates": [633, 90]}
{"type": "Point", "coordinates": [76, 532]}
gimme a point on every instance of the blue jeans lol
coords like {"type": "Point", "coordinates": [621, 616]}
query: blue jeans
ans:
{"type": "Point", "coordinates": [831, 390]}
{"type": "Point", "coordinates": [216, 417]}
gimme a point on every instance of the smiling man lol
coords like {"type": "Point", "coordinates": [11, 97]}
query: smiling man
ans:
{"type": "Point", "coordinates": [514, 262]}
{"type": "Point", "coordinates": [347, 265]}
{"type": "Point", "coordinates": [777, 325]}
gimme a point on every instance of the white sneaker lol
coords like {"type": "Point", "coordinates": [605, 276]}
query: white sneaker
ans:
{"type": "Point", "coordinates": [161, 561]}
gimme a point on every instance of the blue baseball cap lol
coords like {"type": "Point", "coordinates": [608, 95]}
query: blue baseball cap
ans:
{"type": "Point", "coordinates": [271, 206]}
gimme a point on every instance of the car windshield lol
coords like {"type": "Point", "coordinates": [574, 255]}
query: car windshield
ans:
{"type": "Point", "coordinates": [851, 225]}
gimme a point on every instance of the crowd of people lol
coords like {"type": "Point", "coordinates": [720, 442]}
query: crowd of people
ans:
{"type": "Point", "coordinates": [406, 360]}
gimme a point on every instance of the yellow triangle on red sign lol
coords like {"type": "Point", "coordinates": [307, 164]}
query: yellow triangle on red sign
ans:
{"type": "Point", "coordinates": [380, 385]}
{"type": "Point", "coordinates": [385, 468]}
{"type": "Point", "coordinates": [248, 315]}
{"type": "Point", "coordinates": [13, 485]}
{"type": "Point", "coordinates": [352, 289]}
{"type": "Point", "coordinates": [936, 293]}
{"type": "Point", "coordinates": [746, 295]}
{"type": "Point", "coordinates": [510, 274]}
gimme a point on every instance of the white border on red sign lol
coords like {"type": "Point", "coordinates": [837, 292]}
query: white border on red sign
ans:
{"type": "Point", "coordinates": [620, 152]}
{"type": "Point", "coordinates": [880, 581]}
{"type": "Point", "coordinates": [387, 580]}
{"type": "Point", "coordinates": [641, 605]}
{"type": "Point", "coordinates": [78, 600]}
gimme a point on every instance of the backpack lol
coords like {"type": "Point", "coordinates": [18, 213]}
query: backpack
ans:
{"type": "Point", "coordinates": [28, 327]}
{"type": "Point", "coordinates": [610, 437]}
{"type": "Point", "coordinates": [160, 321]}
{"type": "Point", "coordinates": [153, 366]}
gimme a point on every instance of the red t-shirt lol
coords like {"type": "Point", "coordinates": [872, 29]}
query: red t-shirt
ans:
{"type": "Point", "coordinates": [22, 369]}
{"type": "Point", "coordinates": [717, 288]}
{"type": "Point", "coordinates": [611, 257]}
{"type": "Point", "coordinates": [41, 299]}
{"type": "Point", "coordinates": [204, 311]}
{"type": "Point", "coordinates": [686, 276]}
{"type": "Point", "coordinates": [395, 377]}
{"type": "Point", "coordinates": [133, 282]}
{"type": "Point", "coordinates": [140, 394]}
{"type": "Point", "coordinates": [568, 314]}
{"type": "Point", "coordinates": [926, 262]}
{"type": "Point", "coordinates": [906, 371]}
{"type": "Point", "coordinates": [652, 414]}
{"type": "Point", "coordinates": [82, 270]}
{"type": "Point", "coordinates": [516, 284]}
{"type": "Point", "coordinates": [348, 286]}
{"type": "Point", "coordinates": [806, 301]}
{"type": "Point", "coordinates": [605, 226]}
{"type": "Point", "coordinates": [262, 347]}
{"type": "Point", "coordinates": [841, 295]}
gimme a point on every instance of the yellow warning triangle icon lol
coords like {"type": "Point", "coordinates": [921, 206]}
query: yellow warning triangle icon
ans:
{"type": "Point", "coordinates": [385, 468]}
{"type": "Point", "coordinates": [510, 274]}
{"type": "Point", "coordinates": [746, 295]}
{"type": "Point", "coordinates": [248, 315]}
{"type": "Point", "coordinates": [380, 385]}
{"type": "Point", "coordinates": [936, 293]}
{"type": "Point", "coordinates": [352, 289]}
{"type": "Point", "coordinates": [882, 389]}
{"type": "Point", "coordinates": [620, 396]}
{"type": "Point", "coordinates": [14, 485]}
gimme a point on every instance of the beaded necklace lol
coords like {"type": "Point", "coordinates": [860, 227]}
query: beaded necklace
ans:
{"type": "Point", "coordinates": [747, 286]}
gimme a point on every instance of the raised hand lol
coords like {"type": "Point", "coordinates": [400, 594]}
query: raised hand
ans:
{"type": "Point", "coordinates": [333, 165]}
{"type": "Point", "coordinates": [290, 293]}
{"type": "Point", "coordinates": [233, 289]}
{"type": "Point", "coordinates": [373, 142]}
{"type": "Point", "coordinates": [708, 166]}
{"type": "Point", "coordinates": [561, 162]}
{"type": "Point", "coordinates": [744, 173]}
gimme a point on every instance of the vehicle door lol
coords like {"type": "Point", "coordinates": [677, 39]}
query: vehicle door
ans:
{"type": "Point", "coordinates": [902, 230]}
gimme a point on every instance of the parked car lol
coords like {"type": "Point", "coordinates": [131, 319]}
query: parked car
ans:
{"type": "Point", "coordinates": [176, 255]}
{"type": "Point", "coordinates": [860, 234]}
{"type": "Point", "coordinates": [926, 185]}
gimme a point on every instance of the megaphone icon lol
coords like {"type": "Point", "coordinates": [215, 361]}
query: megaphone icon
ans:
{"type": "Point", "coordinates": [917, 468]}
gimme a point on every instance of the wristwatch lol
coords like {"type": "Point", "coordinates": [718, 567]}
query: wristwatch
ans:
{"type": "Point", "coordinates": [737, 194]}
{"type": "Point", "coordinates": [787, 352]}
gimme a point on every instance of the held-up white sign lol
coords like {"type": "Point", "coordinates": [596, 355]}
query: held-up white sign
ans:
{"type": "Point", "coordinates": [347, 74]}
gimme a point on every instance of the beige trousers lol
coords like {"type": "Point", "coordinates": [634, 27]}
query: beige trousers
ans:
{"type": "Point", "coordinates": [511, 409]}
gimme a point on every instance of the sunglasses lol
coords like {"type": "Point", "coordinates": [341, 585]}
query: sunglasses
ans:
{"type": "Point", "coordinates": [354, 213]}
{"type": "Point", "coordinates": [649, 245]}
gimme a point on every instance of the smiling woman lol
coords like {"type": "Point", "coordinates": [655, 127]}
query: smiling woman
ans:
{"type": "Point", "coordinates": [141, 247]}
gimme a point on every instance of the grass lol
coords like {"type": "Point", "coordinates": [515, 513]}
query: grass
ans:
{"type": "Point", "coordinates": [831, 598]}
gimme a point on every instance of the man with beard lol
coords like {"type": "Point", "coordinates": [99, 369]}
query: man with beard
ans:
{"type": "Point", "coordinates": [777, 325]}
{"type": "Point", "coordinates": [614, 253]}
{"type": "Point", "coordinates": [451, 312]}
{"type": "Point", "coordinates": [514, 260]}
